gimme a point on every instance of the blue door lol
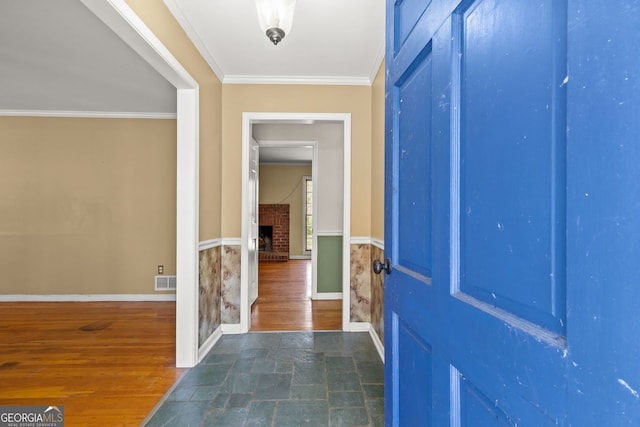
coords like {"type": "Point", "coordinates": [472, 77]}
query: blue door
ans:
{"type": "Point", "coordinates": [512, 213]}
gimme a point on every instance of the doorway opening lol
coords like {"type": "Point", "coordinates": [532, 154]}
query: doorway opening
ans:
{"type": "Point", "coordinates": [298, 265]}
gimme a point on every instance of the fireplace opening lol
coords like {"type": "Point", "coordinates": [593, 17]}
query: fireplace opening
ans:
{"type": "Point", "coordinates": [265, 238]}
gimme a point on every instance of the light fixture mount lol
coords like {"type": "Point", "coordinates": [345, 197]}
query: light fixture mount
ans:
{"type": "Point", "coordinates": [275, 34]}
{"type": "Point", "coordinates": [275, 18]}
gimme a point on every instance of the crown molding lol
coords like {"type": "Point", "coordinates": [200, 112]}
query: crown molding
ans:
{"type": "Point", "coordinates": [87, 114]}
{"type": "Point", "coordinates": [298, 80]}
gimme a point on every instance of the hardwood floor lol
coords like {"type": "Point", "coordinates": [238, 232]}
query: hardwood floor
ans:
{"type": "Point", "coordinates": [284, 300]}
{"type": "Point", "coordinates": [106, 363]}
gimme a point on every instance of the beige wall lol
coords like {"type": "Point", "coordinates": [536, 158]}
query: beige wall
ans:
{"type": "Point", "coordinates": [87, 206]}
{"type": "Point", "coordinates": [160, 20]}
{"type": "Point", "coordinates": [237, 99]}
{"type": "Point", "coordinates": [284, 184]}
{"type": "Point", "coordinates": [377, 156]}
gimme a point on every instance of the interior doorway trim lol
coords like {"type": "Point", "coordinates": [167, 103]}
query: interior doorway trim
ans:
{"type": "Point", "coordinates": [123, 21]}
{"type": "Point", "coordinates": [313, 145]}
{"type": "Point", "coordinates": [248, 118]}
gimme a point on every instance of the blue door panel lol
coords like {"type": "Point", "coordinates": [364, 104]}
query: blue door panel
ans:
{"type": "Point", "coordinates": [412, 95]}
{"type": "Point", "coordinates": [478, 409]}
{"type": "Point", "coordinates": [512, 213]}
{"type": "Point", "coordinates": [408, 13]}
{"type": "Point", "coordinates": [512, 175]}
{"type": "Point", "coordinates": [413, 367]}
{"type": "Point", "coordinates": [603, 213]}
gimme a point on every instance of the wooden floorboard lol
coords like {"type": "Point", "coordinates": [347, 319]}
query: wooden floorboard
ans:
{"type": "Point", "coordinates": [284, 300]}
{"type": "Point", "coordinates": [106, 363]}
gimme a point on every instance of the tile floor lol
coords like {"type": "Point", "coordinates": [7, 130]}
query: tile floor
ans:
{"type": "Point", "coordinates": [280, 379]}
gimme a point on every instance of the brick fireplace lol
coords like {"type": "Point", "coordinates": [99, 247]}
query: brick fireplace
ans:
{"type": "Point", "coordinates": [276, 217]}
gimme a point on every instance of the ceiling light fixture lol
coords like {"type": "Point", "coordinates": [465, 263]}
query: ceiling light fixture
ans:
{"type": "Point", "coordinates": [275, 17]}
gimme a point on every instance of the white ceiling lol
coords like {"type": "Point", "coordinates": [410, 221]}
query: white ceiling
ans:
{"type": "Point", "coordinates": [331, 41]}
{"type": "Point", "coordinates": [286, 155]}
{"type": "Point", "coordinates": [58, 56]}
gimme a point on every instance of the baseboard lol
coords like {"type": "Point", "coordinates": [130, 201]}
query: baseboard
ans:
{"type": "Point", "coordinates": [209, 343]}
{"type": "Point", "coordinates": [232, 328]}
{"type": "Point", "coordinates": [376, 342]}
{"type": "Point", "coordinates": [327, 295]}
{"type": "Point", "coordinates": [87, 298]}
{"type": "Point", "coordinates": [299, 256]}
{"type": "Point", "coordinates": [359, 327]}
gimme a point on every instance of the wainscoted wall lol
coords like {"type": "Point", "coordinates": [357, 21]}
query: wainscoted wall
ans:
{"type": "Point", "coordinates": [377, 295]}
{"type": "Point", "coordinates": [360, 283]}
{"type": "Point", "coordinates": [209, 293]}
{"type": "Point", "coordinates": [367, 288]}
{"type": "Point", "coordinates": [329, 263]}
{"type": "Point", "coordinates": [230, 309]}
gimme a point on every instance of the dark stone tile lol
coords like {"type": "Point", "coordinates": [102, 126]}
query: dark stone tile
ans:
{"type": "Point", "coordinates": [182, 394]}
{"type": "Point", "coordinates": [371, 372]}
{"type": "Point", "coordinates": [308, 373]}
{"type": "Point", "coordinates": [180, 413]}
{"type": "Point", "coordinates": [343, 381]}
{"type": "Point", "coordinates": [373, 390]}
{"type": "Point", "coordinates": [349, 417]}
{"type": "Point", "coordinates": [377, 421]}
{"type": "Point", "coordinates": [260, 414]}
{"type": "Point", "coordinates": [340, 364]}
{"type": "Point", "coordinates": [241, 383]}
{"type": "Point", "coordinates": [243, 365]}
{"type": "Point", "coordinates": [328, 342]}
{"type": "Point", "coordinates": [261, 340]}
{"type": "Point", "coordinates": [167, 413]}
{"type": "Point", "coordinates": [375, 406]}
{"type": "Point", "coordinates": [298, 340]}
{"type": "Point", "coordinates": [346, 399]}
{"type": "Point", "coordinates": [284, 367]}
{"type": "Point", "coordinates": [296, 355]}
{"type": "Point", "coordinates": [368, 356]}
{"type": "Point", "coordinates": [309, 392]}
{"type": "Point", "coordinates": [273, 386]}
{"type": "Point", "coordinates": [264, 366]}
{"type": "Point", "coordinates": [205, 393]}
{"type": "Point", "coordinates": [239, 400]}
{"type": "Point", "coordinates": [206, 375]}
{"type": "Point", "coordinates": [302, 413]}
{"type": "Point", "coordinates": [227, 345]}
{"type": "Point", "coordinates": [213, 358]}
{"type": "Point", "coordinates": [230, 417]}
{"type": "Point", "coordinates": [254, 353]}
{"type": "Point", "coordinates": [358, 342]}
{"type": "Point", "coordinates": [220, 401]}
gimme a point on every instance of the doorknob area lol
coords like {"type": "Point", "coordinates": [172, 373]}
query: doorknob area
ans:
{"type": "Point", "coordinates": [385, 265]}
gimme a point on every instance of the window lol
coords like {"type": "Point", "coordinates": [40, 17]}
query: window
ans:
{"type": "Point", "coordinates": [308, 213]}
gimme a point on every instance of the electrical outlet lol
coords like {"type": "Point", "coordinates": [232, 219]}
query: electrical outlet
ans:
{"type": "Point", "coordinates": [161, 269]}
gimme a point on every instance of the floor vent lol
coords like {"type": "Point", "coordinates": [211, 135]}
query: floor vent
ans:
{"type": "Point", "coordinates": [165, 283]}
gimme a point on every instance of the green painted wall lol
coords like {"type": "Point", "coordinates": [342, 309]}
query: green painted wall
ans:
{"type": "Point", "coordinates": [329, 264]}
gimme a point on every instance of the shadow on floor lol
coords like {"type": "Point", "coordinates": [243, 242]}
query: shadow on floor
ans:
{"type": "Point", "coordinates": [281, 379]}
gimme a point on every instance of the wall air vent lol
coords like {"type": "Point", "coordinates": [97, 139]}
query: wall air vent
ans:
{"type": "Point", "coordinates": [165, 283]}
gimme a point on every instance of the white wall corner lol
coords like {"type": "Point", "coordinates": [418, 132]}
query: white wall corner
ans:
{"type": "Point", "coordinates": [209, 343]}
{"type": "Point", "coordinates": [377, 342]}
